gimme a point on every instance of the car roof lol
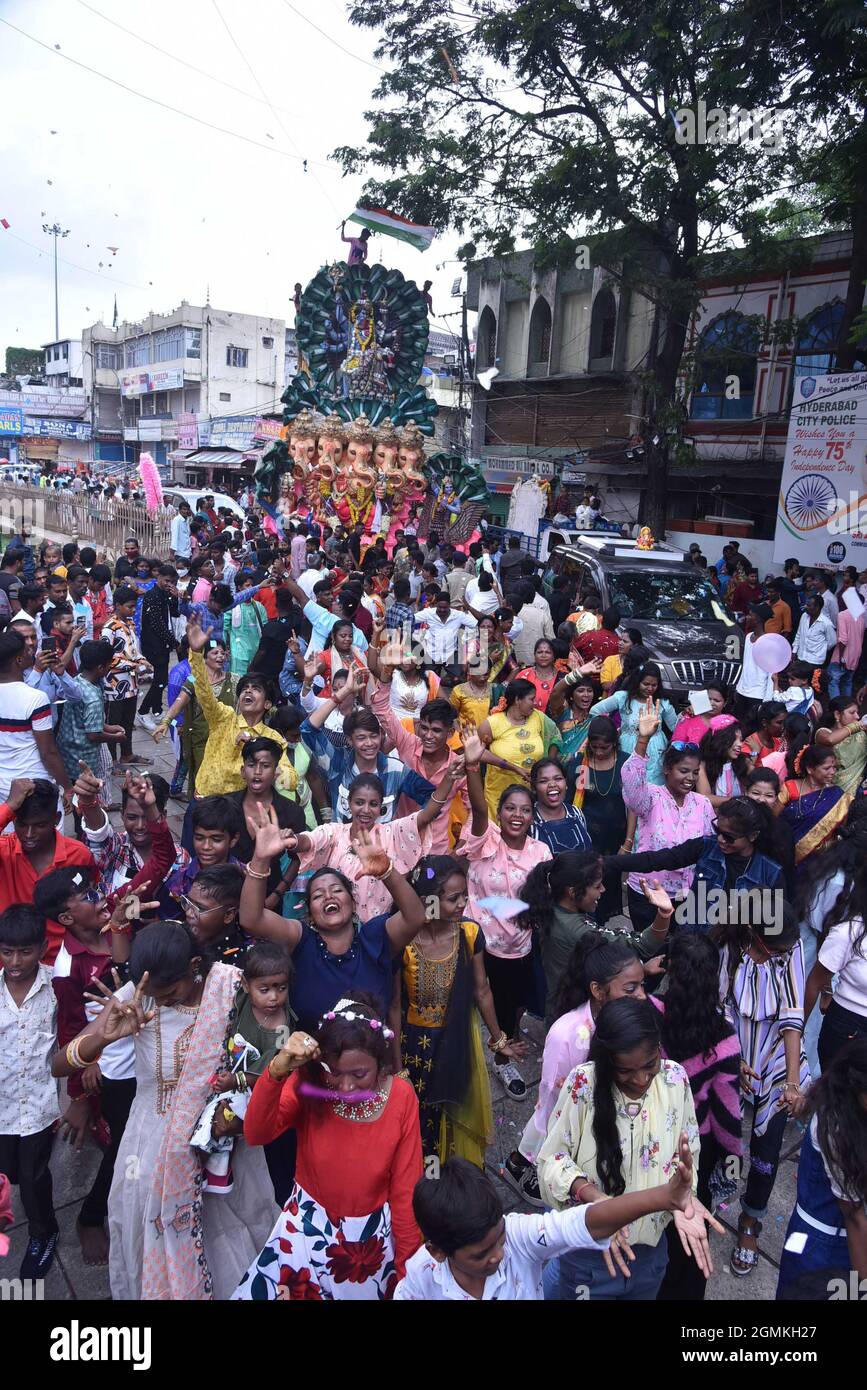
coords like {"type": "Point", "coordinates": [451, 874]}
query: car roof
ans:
{"type": "Point", "coordinates": [623, 554]}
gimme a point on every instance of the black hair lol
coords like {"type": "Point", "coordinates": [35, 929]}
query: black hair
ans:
{"type": "Point", "coordinates": [510, 791]}
{"type": "Point", "coordinates": [336, 873]}
{"type": "Point", "coordinates": [837, 705]}
{"type": "Point", "coordinates": [637, 656]}
{"type": "Point", "coordinates": [284, 600]}
{"type": "Point", "coordinates": [459, 1208]}
{"type": "Point", "coordinates": [254, 746]}
{"type": "Point", "coordinates": [30, 591]}
{"type": "Point", "coordinates": [672, 756]}
{"type": "Point", "coordinates": [93, 654]}
{"type": "Point", "coordinates": [518, 690]}
{"type": "Point", "coordinates": [40, 803]}
{"type": "Point", "coordinates": [341, 623]}
{"type": "Point", "coordinates": [814, 756]}
{"type": "Point", "coordinates": [636, 676]}
{"type": "Point", "coordinates": [160, 790]}
{"type": "Point", "coordinates": [263, 683]}
{"type": "Point", "coordinates": [12, 555]}
{"type": "Point", "coordinates": [56, 579]}
{"type": "Point", "coordinates": [222, 595]}
{"type": "Point", "coordinates": [798, 733]}
{"type": "Point", "coordinates": [267, 958]}
{"type": "Point", "coordinates": [767, 711]}
{"type": "Point", "coordinates": [52, 892]}
{"type": "Point", "coordinates": [361, 719]}
{"type": "Point", "coordinates": [88, 558]}
{"type": "Point", "coordinates": [222, 882]}
{"type": "Point", "coordinates": [340, 1034]}
{"type": "Point", "coordinates": [611, 619]}
{"type": "Point", "coordinates": [22, 925]}
{"type": "Point", "coordinates": [124, 594]}
{"type": "Point", "coordinates": [598, 957]}
{"type": "Point", "coordinates": [602, 727]}
{"type": "Point", "coordinates": [438, 712]}
{"type": "Point", "coordinates": [714, 749]}
{"type": "Point", "coordinates": [547, 883]}
{"type": "Point", "coordinates": [101, 573]}
{"type": "Point", "coordinates": [11, 646]}
{"type": "Point", "coordinates": [69, 552]}
{"type": "Point", "coordinates": [836, 1099]}
{"type": "Point", "coordinates": [431, 873]}
{"type": "Point", "coordinates": [542, 763]}
{"type": "Point", "coordinates": [287, 719]}
{"type": "Point", "coordinates": [621, 1026]}
{"type": "Point", "coordinates": [762, 774]}
{"type": "Point", "coordinates": [165, 571]}
{"type": "Point", "coordinates": [217, 813]}
{"type": "Point", "coordinates": [366, 781]}
{"type": "Point", "coordinates": [694, 1020]}
{"type": "Point", "coordinates": [164, 950]}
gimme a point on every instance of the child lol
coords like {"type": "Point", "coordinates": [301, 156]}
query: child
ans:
{"type": "Point", "coordinates": [215, 826]}
{"type": "Point", "coordinates": [472, 1251]}
{"type": "Point", "coordinates": [263, 1023]}
{"type": "Point", "coordinates": [28, 1092]}
{"type": "Point", "coordinates": [441, 986]}
{"type": "Point", "coordinates": [261, 759]}
{"type": "Point", "coordinates": [83, 732]}
{"type": "Point", "coordinates": [211, 910]}
{"type": "Point", "coordinates": [109, 1085]}
{"type": "Point", "coordinates": [145, 839]}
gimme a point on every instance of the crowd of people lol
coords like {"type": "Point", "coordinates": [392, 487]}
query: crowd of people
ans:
{"type": "Point", "coordinates": [436, 801]}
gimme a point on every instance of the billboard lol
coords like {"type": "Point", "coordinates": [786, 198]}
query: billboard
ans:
{"type": "Point", "coordinates": [56, 429]}
{"type": "Point", "coordinates": [822, 506]}
{"type": "Point", "coordinates": [11, 419]}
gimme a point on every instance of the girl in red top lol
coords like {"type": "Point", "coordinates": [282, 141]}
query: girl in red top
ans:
{"type": "Point", "coordinates": [348, 1228]}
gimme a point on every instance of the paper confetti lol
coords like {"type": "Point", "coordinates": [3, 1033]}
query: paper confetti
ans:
{"type": "Point", "coordinates": [504, 908]}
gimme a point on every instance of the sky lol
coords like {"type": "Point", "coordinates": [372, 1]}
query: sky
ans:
{"type": "Point", "coordinates": [192, 212]}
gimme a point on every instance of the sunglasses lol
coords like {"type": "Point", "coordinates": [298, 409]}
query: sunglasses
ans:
{"type": "Point", "coordinates": [684, 747]}
{"type": "Point", "coordinates": [725, 835]}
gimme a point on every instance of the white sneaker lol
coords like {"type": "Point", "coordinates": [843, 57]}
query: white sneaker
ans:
{"type": "Point", "coordinates": [512, 1080]}
{"type": "Point", "coordinates": [147, 721]}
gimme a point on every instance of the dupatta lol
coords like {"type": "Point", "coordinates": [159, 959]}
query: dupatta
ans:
{"type": "Point", "coordinates": [174, 1264]}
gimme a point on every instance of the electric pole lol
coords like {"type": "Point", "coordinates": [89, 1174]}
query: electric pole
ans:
{"type": "Point", "coordinates": [55, 231]}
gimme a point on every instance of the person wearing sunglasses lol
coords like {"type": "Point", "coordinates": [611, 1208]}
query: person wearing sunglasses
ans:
{"type": "Point", "coordinates": [762, 988]}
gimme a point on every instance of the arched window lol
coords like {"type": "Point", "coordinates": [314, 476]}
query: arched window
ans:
{"type": "Point", "coordinates": [486, 340]}
{"type": "Point", "coordinates": [818, 340]}
{"type": "Point", "coordinates": [726, 349]}
{"type": "Point", "coordinates": [540, 337]}
{"type": "Point", "coordinates": [603, 322]}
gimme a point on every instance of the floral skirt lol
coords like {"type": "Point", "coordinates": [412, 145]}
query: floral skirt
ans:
{"type": "Point", "coordinates": [310, 1257]}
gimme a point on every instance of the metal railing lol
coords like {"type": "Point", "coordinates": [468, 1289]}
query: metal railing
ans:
{"type": "Point", "coordinates": [76, 516]}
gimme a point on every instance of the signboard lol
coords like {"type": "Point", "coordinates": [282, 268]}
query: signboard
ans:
{"type": "Point", "coordinates": [46, 400]}
{"type": "Point", "coordinates": [57, 429]}
{"type": "Point", "coordinates": [267, 429]}
{"type": "Point", "coordinates": [143, 383]}
{"type": "Point", "coordinates": [502, 473]}
{"type": "Point", "coordinates": [150, 430]}
{"type": "Point", "coordinates": [188, 431]}
{"type": "Point", "coordinates": [822, 507]}
{"type": "Point", "coordinates": [232, 434]}
{"type": "Point", "coordinates": [11, 420]}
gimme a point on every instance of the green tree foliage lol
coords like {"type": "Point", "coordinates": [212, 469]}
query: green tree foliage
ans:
{"type": "Point", "coordinates": [24, 361]}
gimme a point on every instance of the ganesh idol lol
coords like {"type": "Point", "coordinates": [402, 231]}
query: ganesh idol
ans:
{"type": "Point", "coordinates": [407, 478]}
{"type": "Point", "coordinates": [295, 492]}
{"type": "Point", "coordinates": [331, 463]}
{"type": "Point", "coordinates": [357, 500]}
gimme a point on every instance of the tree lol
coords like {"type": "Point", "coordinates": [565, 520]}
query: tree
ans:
{"type": "Point", "coordinates": [24, 361]}
{"type": "Point", "coordinates": [549, 119]}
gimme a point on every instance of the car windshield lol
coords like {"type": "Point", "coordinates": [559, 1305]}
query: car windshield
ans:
{"type": "Point", "coordinates": [656, 594]}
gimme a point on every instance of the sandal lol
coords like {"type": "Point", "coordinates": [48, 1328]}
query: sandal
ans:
{"type": "Point", "coordinates": [747, 1226]}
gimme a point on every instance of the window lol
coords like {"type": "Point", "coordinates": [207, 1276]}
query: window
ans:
{"type": "Point", "coordinates": [107, 355]}
{"type": "Point", "coordinates": [603, 322]}
{"type": "Point", "coordinates": [540, 335]}
{"type": "Point", "coordinates": [137, 352]}
{"type": "Point", "coordinates": [486, 340]}
{"type": "Point", "coordinates": [225, 395]}
{"type": "Point", "coordinates": [663, 597]}
{"type": "Point", "coordinates": [168, 345]}
{"type": "Point", "coordinates": [236, 357]}
{"type": "Point", "coordinates": [267, 342]}
{"type": "Point", "coordinates": [726, 348]}
{"type": "Point", "coordinates": [194, 342]}
{"type": "Point", "coordinates": [66, 352]}
{"type": "Point", "coordinates": [818, 340]}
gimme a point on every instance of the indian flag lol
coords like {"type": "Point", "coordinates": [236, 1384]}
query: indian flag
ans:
{"type": "Point", "coordinates": [390, 224]}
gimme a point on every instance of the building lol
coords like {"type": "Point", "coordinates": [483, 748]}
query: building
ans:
{"type": "Point", "coordinates": [566, 345]}
{"type": "Point", "coordinates": [63, 363]}
{"type": "Point", "coordinates": [45, 421]}
{"type": "Point", "coordinates": [447, 385]}
{"type": "Point", "coordinates": [566, 400]}
{"type": "Point", "coordinates": [174, 383]}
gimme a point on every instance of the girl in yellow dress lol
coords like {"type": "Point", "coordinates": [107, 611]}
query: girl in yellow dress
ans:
{"type": "Point", "coordinates": [441, 991]}
{"type": "Point", "coordinates": [516, 738]}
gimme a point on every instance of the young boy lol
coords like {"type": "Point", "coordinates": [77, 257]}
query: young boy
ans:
{"type": "Point", "coordinates": [83, 728]}
{"type": "Point", "coordinates": [426, 753]}
{"type": "Point", "coordinates": [360, 750]}
{"type": "Point", "coordinates": [472, 1251]}
{"type": "Point", "coordinates": [109, 1085]}
{"type": "Point", "coordinates": [28, 1092]}
{"type": "Point", "coordinates": [259, 769]}
{"type": "Point", "coordinates": [144, 846]}
{"type": "Point", "coordinates": [214, 824]}
{"type": "Point", "coordinates": [211, 910]}
{"type": "Point", "coordinates": [36, 847]}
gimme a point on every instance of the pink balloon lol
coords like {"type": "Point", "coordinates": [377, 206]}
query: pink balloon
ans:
{"type": "Point", "coordinates": [772, 653]}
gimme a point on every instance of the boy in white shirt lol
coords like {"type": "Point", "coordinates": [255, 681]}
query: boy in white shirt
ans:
{"type": "Point", "coordinates": [472, 1252]}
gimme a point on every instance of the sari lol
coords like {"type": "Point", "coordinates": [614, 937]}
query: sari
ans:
{"type": "Point", "coordinates": [813, 819]}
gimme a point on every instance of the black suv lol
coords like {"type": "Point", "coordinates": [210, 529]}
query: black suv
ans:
{"type": "Point", "coordinates": [678, 613]}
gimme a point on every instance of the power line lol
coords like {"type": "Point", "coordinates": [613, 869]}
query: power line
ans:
{"type": "Point", "coordinates": [211, 77]}
{"type": "Point", "coordinates": [63, 261]}
{"type": "Point", "coordinates": [176, 110]}
{"type": "Point", "coordinates": [330, 39]}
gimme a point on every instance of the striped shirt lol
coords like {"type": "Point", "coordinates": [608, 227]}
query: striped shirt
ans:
{"type": "Point", "coordinates": [23, 713]}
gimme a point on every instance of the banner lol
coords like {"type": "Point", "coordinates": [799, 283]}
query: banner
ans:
{"type": "Point", "coordinates": [143, 383]}
{"type": "Point", "coordinates": [11, 420]}
{"type": "Point", "coordinates": [822, 507]}
{"type": "Point", "coordinates": [57, 429]}
{"type": "Point", "coordinates": [46, 400]}
{"type": "Point", "coordinates": [188, 431]}
{"type": "Point", "coordinates": [133, 383]}
{"type": "Point", "coordinates": [232, 434]}
{"type": "Point", "coordinates": [266, 429]}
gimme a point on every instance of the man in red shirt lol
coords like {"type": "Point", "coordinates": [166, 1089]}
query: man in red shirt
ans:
{"type": "Point", "coordinates": [35, 847]}
{"type": "Point", "coordinates": [601, 642]}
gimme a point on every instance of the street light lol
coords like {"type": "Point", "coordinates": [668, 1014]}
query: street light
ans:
{"type": "Point", "coordinates": [56, 231]}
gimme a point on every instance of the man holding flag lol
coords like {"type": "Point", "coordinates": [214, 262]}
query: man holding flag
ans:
{"type": "Point", "coordinates": [387, 224]}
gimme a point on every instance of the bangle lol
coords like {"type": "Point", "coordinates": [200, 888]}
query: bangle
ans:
{"type": "Point", "coordinates": [241, 1082]}
{"type": "Point", "coordinates": [254, 873]}
{"type": "Point", "coordinates": [471, 767]}
{"type": "Point", "coordinates": [379, 877]}
{"type": "Point", "coordinates": [436, 800]}
{"type": "Point", "coordinates": [497, 1044]}
{"type": "Point", "coordinates": [74, 1057]}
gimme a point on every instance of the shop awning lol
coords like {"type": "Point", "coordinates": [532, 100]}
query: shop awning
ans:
{"type": "Point", "coordinates": [214, 456]}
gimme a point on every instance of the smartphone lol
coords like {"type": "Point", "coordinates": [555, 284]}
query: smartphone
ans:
{"type": "Point", "coordinates": [700, 702]}
{"type": "Point", "coordinates": [49, 646]}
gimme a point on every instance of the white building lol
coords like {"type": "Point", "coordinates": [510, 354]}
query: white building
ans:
{"type": "Point", "coordinates": [163, 384]}
{"type": "Point", "coordinates": [63, 362]}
